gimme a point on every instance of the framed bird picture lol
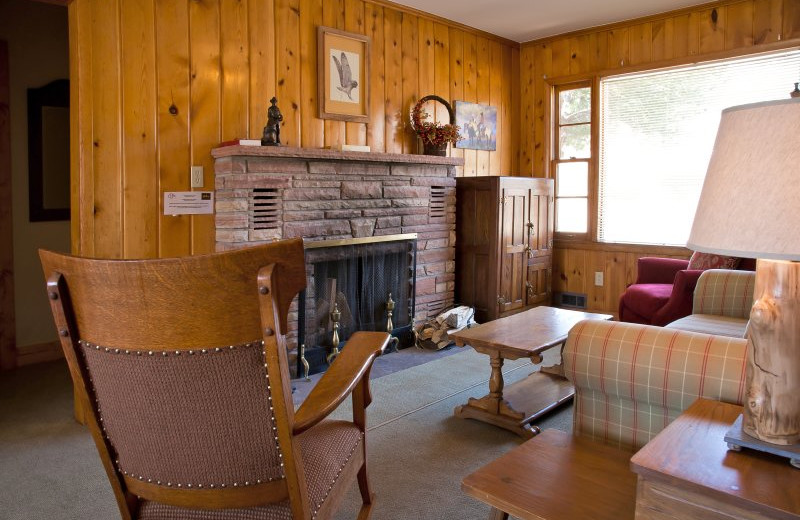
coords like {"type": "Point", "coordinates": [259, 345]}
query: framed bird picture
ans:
{"type": "Point", "coordinates": [343, 75]}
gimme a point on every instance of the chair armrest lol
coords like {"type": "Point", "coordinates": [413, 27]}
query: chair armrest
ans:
{"type": "Point", "coordinates": [724, 292]}
{"type": "Point", "coordinates": [347, 369]}
{"type": "Point", "coordinates": [659, 270]}
{"type": "Point", "coordinates": [679, 304]}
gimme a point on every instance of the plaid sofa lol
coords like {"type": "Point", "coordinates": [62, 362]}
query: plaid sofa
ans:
{"type": "Point", "coordinates": [632, 380]}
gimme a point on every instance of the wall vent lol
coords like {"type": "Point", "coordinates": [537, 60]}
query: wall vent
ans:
{"type": "Point", "coordinates": [570, 299]}
{"type": "Point", "coordinates": [437, 211]}
{"type": "Point", "coordinates": [265, 208]}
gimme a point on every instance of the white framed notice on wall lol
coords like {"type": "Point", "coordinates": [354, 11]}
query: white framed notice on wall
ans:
{"type": "Point", "coordinates": [188, 202]}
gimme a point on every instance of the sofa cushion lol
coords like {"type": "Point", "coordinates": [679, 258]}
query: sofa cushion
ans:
{"type": "Point", "coordinates": [712, 324]}
{"type": "Point", "coordinates": [703, 261]}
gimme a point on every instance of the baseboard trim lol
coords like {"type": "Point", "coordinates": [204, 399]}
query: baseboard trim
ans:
{"type": "Point", "coordinates": [39, 353]}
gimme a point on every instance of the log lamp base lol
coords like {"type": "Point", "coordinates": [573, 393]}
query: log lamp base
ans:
{"type": "Point", "coordinates": [772, 400]}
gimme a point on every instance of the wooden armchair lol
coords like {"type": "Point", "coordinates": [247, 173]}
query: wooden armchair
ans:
{"type": "Point", "coordinates": [182, 365]}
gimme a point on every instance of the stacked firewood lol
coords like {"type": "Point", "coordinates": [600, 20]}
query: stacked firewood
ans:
{"type": "Point", "coordinates": [435, 333]}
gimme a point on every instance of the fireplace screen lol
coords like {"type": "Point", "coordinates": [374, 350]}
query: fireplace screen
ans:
{"type": "Point", "coordinates": [352, 287]}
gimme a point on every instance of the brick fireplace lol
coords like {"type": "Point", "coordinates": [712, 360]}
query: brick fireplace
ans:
{"type": "Point", "coordinates": [269, 193]}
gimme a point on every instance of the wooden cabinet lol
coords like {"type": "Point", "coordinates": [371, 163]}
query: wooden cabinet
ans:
{"type": "Point", "coordinates": [504, 244]}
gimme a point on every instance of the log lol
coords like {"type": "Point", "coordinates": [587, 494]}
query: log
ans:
{"type": "Point", "coordinates": [772, 373]}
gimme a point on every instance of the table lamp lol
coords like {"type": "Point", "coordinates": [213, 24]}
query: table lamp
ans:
{"type": "Point", "coordinates": [750, 207]}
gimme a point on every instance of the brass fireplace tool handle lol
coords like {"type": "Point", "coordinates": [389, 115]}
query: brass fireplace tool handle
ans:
{"type": "Point", "coordinates": [389, 325]}
{"type": "Point", "coordinates": [336, 315]}
{"type": "Point", "coordinates": [304, 361]}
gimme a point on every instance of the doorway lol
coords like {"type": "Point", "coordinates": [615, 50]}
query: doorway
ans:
{"type": "Point", "coordinates": [36, 53]}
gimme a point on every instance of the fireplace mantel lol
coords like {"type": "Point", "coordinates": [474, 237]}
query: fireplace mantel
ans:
{"type": "Point", "coordinates": [333, 155]}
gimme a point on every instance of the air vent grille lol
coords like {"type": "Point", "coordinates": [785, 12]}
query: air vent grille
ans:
{"type": "Point", "coordinates": [265, 208]}
{"type": "Point", "coordinates": [570, 299]}
{"type": "Point", "coordinates": [438, 204]}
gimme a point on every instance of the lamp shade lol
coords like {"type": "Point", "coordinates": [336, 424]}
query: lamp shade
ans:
{"type": "Point", "coordinates": [750, 202]}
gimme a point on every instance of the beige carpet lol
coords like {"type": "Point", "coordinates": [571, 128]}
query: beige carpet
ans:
{"type": "Point", "coordinates": [418, 453]}
{"type": "Point", "coordinates": [417, 460]}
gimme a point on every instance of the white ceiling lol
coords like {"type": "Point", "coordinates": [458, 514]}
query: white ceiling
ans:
{"type": "Point", "coordinates": [526, 20]}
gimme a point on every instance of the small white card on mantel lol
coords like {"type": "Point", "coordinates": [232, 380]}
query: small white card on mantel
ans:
{"type": "Point", "coordinates": [188, 202]}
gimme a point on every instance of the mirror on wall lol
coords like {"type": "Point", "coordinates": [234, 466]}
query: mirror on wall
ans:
{"type": "Point", "coordinates": [48, 151]}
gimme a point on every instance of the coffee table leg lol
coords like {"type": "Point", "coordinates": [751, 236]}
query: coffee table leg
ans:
{"type": "Point", "coordinates": [496, 514]}
{"type": "Point", "coordinates": [492, 407]}
{"type": "Point", "coordinates": [496, 382]}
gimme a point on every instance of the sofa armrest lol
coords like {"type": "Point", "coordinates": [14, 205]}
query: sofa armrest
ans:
{"type": "Point", "coordinates": [679, 304]}
{"type": "Point", "coordinates": [724, 292]}
{"type": "Point", "coordinates": [658, 270]}
{"type": "Point", "coordinates": [631, 380]}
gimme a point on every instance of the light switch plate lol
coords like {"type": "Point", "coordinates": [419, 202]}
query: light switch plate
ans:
{"type": "Point", "coordinates": [598, 278]}
{"type": "Point", "coordinates": [197, 176]}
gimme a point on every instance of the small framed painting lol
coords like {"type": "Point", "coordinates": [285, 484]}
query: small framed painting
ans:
{"type": "Point", "coordinates": [478, 126]}
{"type": "Point", "coordinates": [343, 75]}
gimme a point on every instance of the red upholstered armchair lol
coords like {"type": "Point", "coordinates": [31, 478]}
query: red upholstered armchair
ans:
{"type": "Point", "coordinates": [663, 290]}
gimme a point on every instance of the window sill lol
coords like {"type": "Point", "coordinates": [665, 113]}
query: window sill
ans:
{"type": "Point", "coordinates": [589, 245]}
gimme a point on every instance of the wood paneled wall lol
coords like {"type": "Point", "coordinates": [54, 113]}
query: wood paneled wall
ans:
{"type": "Point", "coordinates": [574, 267]}
{"type": "Point", "coordinates": [710, 31]}
{"type": "Point", "coordinates": [159, 83]}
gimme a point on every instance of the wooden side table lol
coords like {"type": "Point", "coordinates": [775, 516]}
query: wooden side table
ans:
{"type": "Point", "coordinates": [557, 476]}
{"type": "Point", "coordinates": [686, 471]}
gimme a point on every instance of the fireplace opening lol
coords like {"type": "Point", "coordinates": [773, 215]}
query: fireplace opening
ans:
{"type": "Point", "coordinates": [353, 285]}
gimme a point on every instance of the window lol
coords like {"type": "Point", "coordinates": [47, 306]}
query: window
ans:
{"type": "Point", "coordinates": [573, 154]}
{"type": "Point", "coordinates": [656, 135]}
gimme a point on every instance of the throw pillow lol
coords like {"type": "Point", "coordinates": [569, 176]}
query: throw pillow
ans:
{"type": "Point", "coordinates": [705, 261]}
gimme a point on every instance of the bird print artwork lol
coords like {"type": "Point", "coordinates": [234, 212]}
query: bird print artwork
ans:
{"type": "Point", "coordinates": [346, 82]}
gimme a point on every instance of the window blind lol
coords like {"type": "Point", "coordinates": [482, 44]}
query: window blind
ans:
{"type": "Point", "coordinates": [657, 130]}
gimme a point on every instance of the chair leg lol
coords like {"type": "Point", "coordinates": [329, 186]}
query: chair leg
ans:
{"type": "Point", "coordinates": [367, 497]}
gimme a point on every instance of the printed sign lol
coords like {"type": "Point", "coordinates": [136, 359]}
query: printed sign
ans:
{"type": "Point", "coordinates": [188, 202]}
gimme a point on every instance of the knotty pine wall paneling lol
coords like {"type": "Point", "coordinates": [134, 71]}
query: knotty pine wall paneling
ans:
{"type": "Point", "coordinates": [711, 31]}
{"type": "Point", "coordinates": [376, 129]}
{"type": "Point", "coordinates": [410, 79]}
{"type": "Point", "coordinates": [206, 69]}
{"type": "Point", "coordinates": [107, 157]}
{"type": "Point", "coordinates": [158, 83]}
{"type": "Point", "coordinates": [173, 91]}
{"type": "Point", "coordinates": [470, 94]}
{"type": "Point", "coordinates": [393, 86]}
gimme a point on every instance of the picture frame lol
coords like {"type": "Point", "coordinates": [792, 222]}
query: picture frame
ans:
{"type": "Point", "coordinates": [48, 152]}
{"type": "Point", "coordinates": [478, 126]}
{"type": "Point", "coordinates": [343, 75]}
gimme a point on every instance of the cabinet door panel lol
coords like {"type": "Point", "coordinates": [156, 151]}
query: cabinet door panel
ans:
{"type": "Point", "coordinates": [513, 253]}
{"type": "Point", "coordinates": [540, 228]}
{"type": "Point", "coordinates": [474, 244]}
{"type": "Point", "coordinates": [539, 281]}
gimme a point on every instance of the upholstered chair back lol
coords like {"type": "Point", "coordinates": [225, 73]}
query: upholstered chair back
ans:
{"type": "Point", "coordinates": [184, 372]}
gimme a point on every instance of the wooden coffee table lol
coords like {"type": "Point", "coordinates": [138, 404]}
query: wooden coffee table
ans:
{"type": "Point", "coordinates": [557, 476]}
{"type": "Point", "coordinates": [523, 335]}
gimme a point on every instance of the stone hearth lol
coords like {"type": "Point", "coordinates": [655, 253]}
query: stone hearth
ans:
{"type": "Point", "coordinates": [269, 193]}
